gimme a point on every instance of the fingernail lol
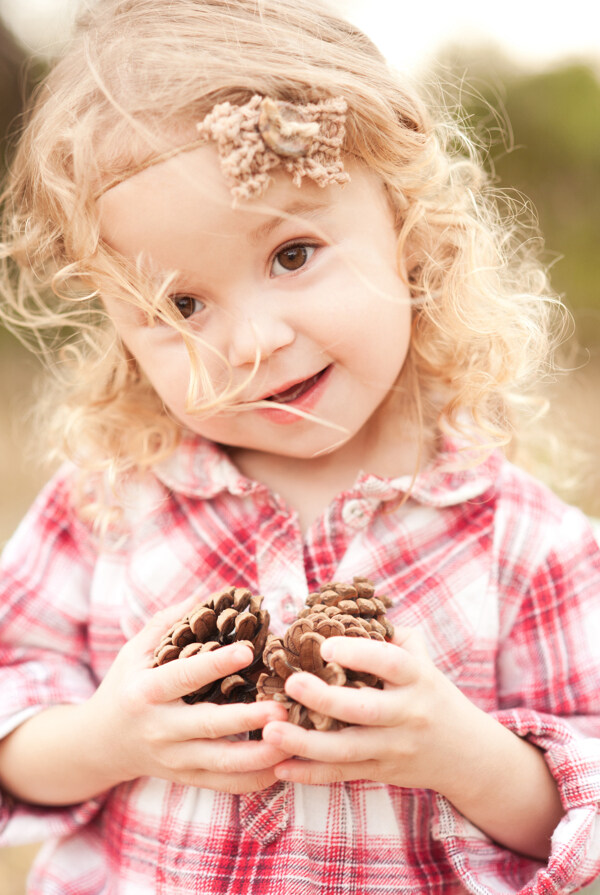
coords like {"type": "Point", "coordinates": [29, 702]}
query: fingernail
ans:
{"type": "Point", "coordinates": [327, 650]}
{"type": "Point", "coordinates": [296, 682]}
{"type": "Point", "coordinates": [240, 653]}
{"type": "Point", "coordinates": [272, 736]}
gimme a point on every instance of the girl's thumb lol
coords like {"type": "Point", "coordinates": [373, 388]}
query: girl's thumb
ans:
{"type": "Point", "coordinates": [412, 640]}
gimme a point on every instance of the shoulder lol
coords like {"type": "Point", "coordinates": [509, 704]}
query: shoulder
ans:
{"type": "Point", "coordinates": [545, 550]}
{"type": "Point", "coordinates": [52, 519]}
{"type": "Point", "coordinates": [519, 487]}
{"type": "Point", "coordinates": [55, 505]}
{"type": "Point", "coordinates": [528, 511]}
{"type": "Point", "coordinates": [79, 513]}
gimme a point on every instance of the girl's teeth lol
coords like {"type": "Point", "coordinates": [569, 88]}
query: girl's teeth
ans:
{"type": "Point", "coordinates": [291, 394]}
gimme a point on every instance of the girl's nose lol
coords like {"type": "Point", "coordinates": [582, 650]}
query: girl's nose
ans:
{"type": "Point", "coordinates": [264, 334]}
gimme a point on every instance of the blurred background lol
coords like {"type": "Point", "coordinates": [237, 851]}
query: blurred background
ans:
{"type": "Point", "coordinates": [528, 86]}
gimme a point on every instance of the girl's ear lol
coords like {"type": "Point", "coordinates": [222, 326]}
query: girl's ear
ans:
{"type": "Point", "coordinates": [413, 269]}
{"type": "Point", "coordinates": [410, 256]}
{"type": "Point", "coordinates": [408, 262]}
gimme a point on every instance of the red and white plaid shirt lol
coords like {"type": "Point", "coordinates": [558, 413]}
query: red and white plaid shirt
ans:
{"type": "Point", "coordinates": [502, 579]}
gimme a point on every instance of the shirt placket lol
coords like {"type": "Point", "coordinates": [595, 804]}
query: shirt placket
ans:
{"type": "Point", "coordinates": [329, 538]}
{"type": "Point", "coordinates": [279, 563]}
{"type": "Point", "coordinates": [281, 579]}
{"type": "Point", "coordinates": [288, 567]}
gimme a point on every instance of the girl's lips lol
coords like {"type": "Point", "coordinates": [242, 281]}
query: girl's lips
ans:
{"type": "Point", "coordinates": [303, 395]}
{"type": "Point", "coordinates": [288, 395]}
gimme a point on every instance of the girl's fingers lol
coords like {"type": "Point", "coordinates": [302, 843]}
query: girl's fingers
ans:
{"type": "Point", "coordinates": [250, 782]}
{"type": "Point", "coordinates": [365, 706]}
{"type": "Point", "coordinates": [224, 757]}
{"type": "Point", "coordinates": [396, 663]}
{"type": "Point", "coordinates": [183, 676]}
{"type": "Point", "coordinates": [346, 746]}
{"type": "Point", "coordinates": [209, 721]}
{"type": "Point", "coordinates": [316, 773]}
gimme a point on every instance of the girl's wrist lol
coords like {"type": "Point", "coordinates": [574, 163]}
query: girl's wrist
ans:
{"type": "Point", "coordinates": [55, 758]}
{"type": "Point", "coordinates": [502, 784]}
{"type": "Point", "coordinates": [103, 743]}
{"type": "Point", "coordinates": [459, 732]}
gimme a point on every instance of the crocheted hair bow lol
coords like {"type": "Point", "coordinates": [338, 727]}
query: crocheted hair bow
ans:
{"type": "Point", "coordinates": [253, 139]}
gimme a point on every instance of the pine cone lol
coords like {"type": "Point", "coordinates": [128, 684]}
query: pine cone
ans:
{"type": "Point", "coordinates": [350, 610]}
{"type": "Point", "coordinates": [230, 615]}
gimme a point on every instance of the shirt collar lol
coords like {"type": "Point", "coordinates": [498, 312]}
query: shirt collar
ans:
{"type": "Point", "coordinates": [199, 468]}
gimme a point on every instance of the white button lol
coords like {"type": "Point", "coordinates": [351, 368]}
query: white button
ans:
{"type": "Point", "coordinates": [356, 513]}
{"type": "Point", "coordinates": [289, 609]}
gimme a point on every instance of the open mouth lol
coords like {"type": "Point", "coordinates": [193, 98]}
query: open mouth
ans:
{"type": "Point", "coordinates": [291, 394]}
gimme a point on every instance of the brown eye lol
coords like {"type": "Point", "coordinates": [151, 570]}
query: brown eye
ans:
{"type": "Point", "coordinates": [291, 258]}
{"type": "Point", "coordinates": [186, 305]}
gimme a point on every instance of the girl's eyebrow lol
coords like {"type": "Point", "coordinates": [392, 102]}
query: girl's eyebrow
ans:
{"type": "Point", "coordinates": [305, 208]}
{"type": "Point", "coordinates": [301, 208]}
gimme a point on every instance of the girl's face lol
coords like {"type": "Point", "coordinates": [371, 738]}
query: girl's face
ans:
{"type": "Point", "coordinates": [308, 276]}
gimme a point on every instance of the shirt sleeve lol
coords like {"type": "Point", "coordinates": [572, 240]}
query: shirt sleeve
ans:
{"type": "Point", "coordinates": [45, 574]}
{"type": "Point", "coordinates": [548, 672]}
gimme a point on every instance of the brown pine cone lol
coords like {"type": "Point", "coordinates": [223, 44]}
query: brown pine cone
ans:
{"type": "Point", "coordinates": [350, 610]}
{"type": "Point", "coordinates": [230, 615]}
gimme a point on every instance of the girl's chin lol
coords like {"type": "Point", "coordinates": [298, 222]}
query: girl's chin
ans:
{"type": "Point", "coordinates": [289, 447]}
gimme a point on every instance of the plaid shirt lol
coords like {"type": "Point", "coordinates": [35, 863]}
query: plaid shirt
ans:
{"type": "Point", "coordinates": [502, 579]}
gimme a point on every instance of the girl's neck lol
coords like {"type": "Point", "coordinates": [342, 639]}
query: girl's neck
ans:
{"type": "Point", "coordinates": [309, 485]}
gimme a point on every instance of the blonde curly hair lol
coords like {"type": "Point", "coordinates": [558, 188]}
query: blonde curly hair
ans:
{"type": "Point", "coordinates": [139, 69]}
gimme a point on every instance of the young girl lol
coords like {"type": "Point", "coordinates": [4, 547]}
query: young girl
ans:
{"type": "Point", "coordinates": [293, 334]}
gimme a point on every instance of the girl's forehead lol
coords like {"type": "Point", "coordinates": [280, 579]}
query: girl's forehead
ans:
{"type": "Point", "coordinates": [186, 178]}
{"type": "Point", "coordinates": [189, 192]}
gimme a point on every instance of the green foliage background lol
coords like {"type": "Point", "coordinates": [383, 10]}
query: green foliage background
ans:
{"type": "Point", "coordinates": [549, 151]}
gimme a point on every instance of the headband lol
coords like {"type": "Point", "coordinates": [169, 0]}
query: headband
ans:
{"type": "Point", "coordinates": [253, 139]}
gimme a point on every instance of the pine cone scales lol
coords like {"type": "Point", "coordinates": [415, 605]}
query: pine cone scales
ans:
{"type": "Point", "coordinates": [350, 610]}
{"type": "Point", "coordinates": [230, 615]}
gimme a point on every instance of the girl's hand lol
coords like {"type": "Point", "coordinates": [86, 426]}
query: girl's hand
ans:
{"type": "Point", "coordinates": [142, 726]}
{"type": "Point", "coordinates": [409, 734]}
{"type": "Point", "coordinates": [420, 731]}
